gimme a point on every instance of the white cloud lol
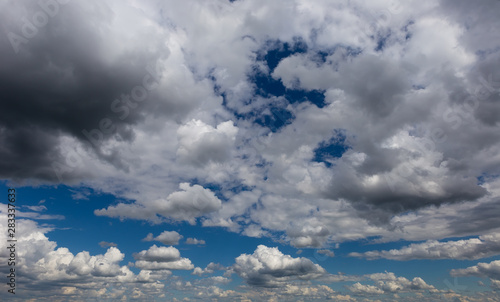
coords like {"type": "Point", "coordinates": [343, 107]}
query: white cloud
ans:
{"type": "Point", "coordinates": [365, 289]}
{"type": "Point", "coordinates": [166, 237]}
{"type": "Point", "coordinates": [195, 241]}
{"type": "Point", "coordinates": [490, 270]}
{"type": "Point", "coordinates": [61, 273]}
{"type": "Point", "coordinates": [40, 208]}
{"type": "Point", "coordinates": [162, 258]}
{"type": "Point", "coordinates": [200, 143]}
{"type": "Point", "coordinates": [181, 264]}
{"type": "Point", "coordinates": [268, 267]}
{"type": "Point", "coordinates": [211, 267]}
{"type": "Point", "coordinates": [389, 283]}
{"type": "Point", "coordinates": [469, 249]}
{"type": "Point", "coordinates": [191, 202]}
{"type": "Point", "coordinates": [161, 254]}
{"type": "Point", "coordinates": [326, 253]}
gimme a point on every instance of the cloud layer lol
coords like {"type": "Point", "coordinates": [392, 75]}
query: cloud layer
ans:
{"type": "Point", "coordinates": [307, 124]}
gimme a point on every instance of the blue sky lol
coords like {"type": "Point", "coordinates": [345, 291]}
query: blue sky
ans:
{"type": "Point", "coordinates": [251, 150]}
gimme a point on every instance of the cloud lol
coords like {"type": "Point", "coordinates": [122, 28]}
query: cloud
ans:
{"type": "Point", "coordinates": [82, 194]}
{"type": "Point", "coordinates": [195, 241]}
{"type": "Point", "coordinates": [200, 143]}
{"type": "Point", "coordinates": [162, 258]}
{"type": "Point", "coordinates": [470, 249]}
{"type": "Point", "coordinates": [326, 253]}
{"type": "Point", "coordinates": [389, 283]}
{"type": "Point", "coordinates": [166, 237]}
{"type": "Point", "coordinates": [268, 267]}
{"type": "Point", "coordinates": [211, 267]}
{"type": "Point", "coordinates": [107, 244]}
{"type": "Point", "coordinates": [36, 213]}
{"type": "Point", "coordinates": [90, 81]}
{"type": "Point", "coordinates": [161, 254]}
{"type": "Point", "coordinates": [37, 208]}
{"type": "Point", "coordinates": [204, 111]}
{"type": "Point", "coordinates": [190, 202]}
{"type": "Point", "coordinates": [490, 270]}
{"type": "Point", "coordinates": [359, 288]}
{"type": "Point", "coordinates": [51, 271]}
{"type": "Point", "coordinates": [427, 131]}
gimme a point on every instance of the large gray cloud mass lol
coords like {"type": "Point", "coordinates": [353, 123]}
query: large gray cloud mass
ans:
{"type": "Point", "coordinates": [134, 99]}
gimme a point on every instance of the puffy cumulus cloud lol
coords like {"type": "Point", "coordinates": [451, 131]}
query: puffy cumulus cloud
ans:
{"type": "Point", "coordinates": [200, 143]}
{"type": "Point", "coordinates": [299, 292]}
{"type": "Point", "coordinates": [60, 265]}
{"type": "Point", "coordinates": [389, 283]}
{"type": "Point", "coordinates": [359, 288]}
{"type": "Point", "coordinates": [307, 235]}
{"type": "Point", "coordinates": [215, 292]}
{"type": "Point", "coordinates": [166, 237]}
{"type": "Point", "coordinates": [51, 272]}
{"type": "Point", "coordinates": [104, 266]}
{"type": "Point", "coordinates": [162, 254]}
{"type": "Point", "coordinates": [490, 270]}
{"type": "Point", "coordinates": [268, 267]}
{"type": "Point", "coordinates": [191, 202]}
{"type": "Point", "coordinates": [470, 249]}
{"type": "Point", "coordinates": [162, 258]}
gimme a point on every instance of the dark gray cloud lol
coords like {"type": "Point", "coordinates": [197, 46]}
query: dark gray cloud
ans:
{"type": "Point", "coordinates": [64, 80]}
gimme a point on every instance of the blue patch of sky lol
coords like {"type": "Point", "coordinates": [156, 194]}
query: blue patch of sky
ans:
{"type": "Point", "coordinates": [484, 53]}
{"type": "Point", "coordinates": [331, 149]}
{"type": "Point", "coordinates": [406, 29]}
{"type": "Point", "coordinates": [268, 87]}
{"type": "Point", "coordinates": [382, 40]}
{"type": "Point", "coordinates": [276, 116]}
{"type": "Point", "coordinates": [485, 177]}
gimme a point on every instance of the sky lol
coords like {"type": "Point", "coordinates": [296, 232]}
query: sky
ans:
{"type": "Point", "coordinates": [251, 150]}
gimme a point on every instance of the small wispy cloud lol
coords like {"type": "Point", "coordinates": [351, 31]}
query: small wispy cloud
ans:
{"type": "Point", "coordinates": [37, 208]}
{"type": "Point", "coordinates": [105, 244]}
{"type": "Point", "coordinates": [195, 241]}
